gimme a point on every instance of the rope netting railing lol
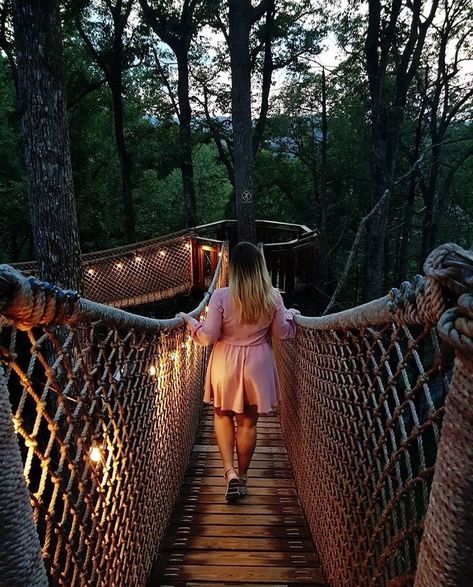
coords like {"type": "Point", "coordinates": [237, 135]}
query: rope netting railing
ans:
{"type": "Point", "coordinates": [138, 273]}
{"type": "Point", "coordinates": [99, 409]}
{"type": "Point", "coordinates": [371, 436]}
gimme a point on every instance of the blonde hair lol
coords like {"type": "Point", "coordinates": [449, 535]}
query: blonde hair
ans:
{"type": "Point", "coordinates": [250, 285]}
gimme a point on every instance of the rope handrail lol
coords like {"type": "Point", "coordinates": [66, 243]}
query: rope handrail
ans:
{"type": "Point", "coordinates": [103, 406]}
{"type": "Point", "coordinates": [363, 404]}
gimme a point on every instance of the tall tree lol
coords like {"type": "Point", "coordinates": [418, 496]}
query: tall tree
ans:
{"type": "Point", "coordinates": [394, 43]}
{"type": "Point", "coordinates": [449, 96]}
{"type": "Point", "coordinates": [241, 16]}
{"type": "Point", "coordinates": [177, 29]}
{"type": "Point", "coordinates": [37, 29]}
{"type": "Point", "coordinates": [104, 37]}
{"type": "Point", "coordinates": [257, 47]}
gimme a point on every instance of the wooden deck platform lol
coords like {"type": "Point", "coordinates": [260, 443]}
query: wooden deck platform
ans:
{"type": "Point", "coordinates": [262, 539]}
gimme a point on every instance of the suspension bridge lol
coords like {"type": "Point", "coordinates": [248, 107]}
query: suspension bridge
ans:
{"type": "Point", "coordinates": [110, 473]}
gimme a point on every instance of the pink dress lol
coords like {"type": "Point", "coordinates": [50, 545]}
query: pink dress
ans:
{"type": "Point", "coordinates": [241, 370]}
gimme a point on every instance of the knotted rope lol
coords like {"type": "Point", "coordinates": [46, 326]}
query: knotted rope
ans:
{"type": "Point", "coordinates": [20, 560]}
{"type": "Point", "coordinates": [31, 302]}
{"type": "Point", "coordinates": [447, 546]}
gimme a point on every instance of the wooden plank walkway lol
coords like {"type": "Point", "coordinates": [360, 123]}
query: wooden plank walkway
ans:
{"type": "Point", "coordinates": [261, 539]}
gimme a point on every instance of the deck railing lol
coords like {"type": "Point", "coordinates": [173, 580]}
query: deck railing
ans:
{"type": "Point", "coordinates": [289, 249]}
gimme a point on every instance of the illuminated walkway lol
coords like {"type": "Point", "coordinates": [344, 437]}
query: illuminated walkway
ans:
{"type": "Point", "coordinates": [262, 539]}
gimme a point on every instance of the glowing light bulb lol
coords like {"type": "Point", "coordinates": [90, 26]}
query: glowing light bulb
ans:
{"type": "Point", "coordinates": [188, 246]}
{"type": "Point", "coordinates": [95, 454]}
{"type": "Point", "coordinates": [90, 271]}
{"type": "Point", "coordinates": [138, 258]}
{"type": "Point", "coordinates": [152, 370]}
{"type": "Point", "coordinates": [220, 254]}
{"type": "Point", "coordinates": [162, 253]}
{"type": "Point", "coordinates": [119, 265]}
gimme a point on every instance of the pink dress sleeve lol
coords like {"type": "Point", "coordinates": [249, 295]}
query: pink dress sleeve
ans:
{"type": "Point", "coordinates": [208, 331]}
{"type": "Point", "coordinates": [283, 325]}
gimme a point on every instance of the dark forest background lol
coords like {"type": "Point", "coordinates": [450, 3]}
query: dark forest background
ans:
{"type": "Point", "coordinates": [376, 150]}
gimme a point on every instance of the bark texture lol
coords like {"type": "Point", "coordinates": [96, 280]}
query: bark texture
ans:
{"type": "Point", "coordinates": [240, 21]}
{"type": "Point", "coordinates": [48, 164]}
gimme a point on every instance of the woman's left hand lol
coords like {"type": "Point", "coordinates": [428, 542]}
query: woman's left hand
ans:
{"type": "Point", "coordinates": [184, 316]}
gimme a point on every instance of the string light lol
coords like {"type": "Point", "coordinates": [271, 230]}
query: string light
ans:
{"type": "Point", "coordinates": [152, 370]}
{"type": "Point", "coordinates": [138, 258]}
{"type": "Point", "coordinates": [95, 453]}
{"type": "Point", "coordinates": [119, 265]}
{"type": "Point", "coordinates": [162, 253]}
{"type": "Point", "coordinates": [90, 271]}
{"type": "Point", "coordinates": [187, 246]}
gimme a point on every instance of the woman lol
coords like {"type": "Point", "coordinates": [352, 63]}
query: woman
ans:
{"type": "Point", "coordinates": [241, 376]}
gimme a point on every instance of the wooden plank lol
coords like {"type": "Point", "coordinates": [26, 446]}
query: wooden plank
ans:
{"type": "Point", "coordinates": [219, 583]}
{"type": "Point", "coordinates": [244, 559]}
{"type": "Point", "coordinates": [238, 531]}
{"type": "Point", "coordinates": [237, 543]}
{"type": "Point", "coordinates": [255, 472]}
{"type": "Point", "coordinates": [195, 489]}
{"type": "Point", "coordinates": [238, 519]}
{"type": "Point", "coordinates": [269, 574]}
{"type": "Point", "coordinates": [242, 507]}
{"type": "Point", "coordinates": [262, 442]}
{"type": "Point", "coordinates": [258, 482]}
{"type": "Point", "coordinates": [211, 457]}
{"type": "Point", "coordinates": [200, 497]}
{"type": "Point", "coordinates": [206, 448]}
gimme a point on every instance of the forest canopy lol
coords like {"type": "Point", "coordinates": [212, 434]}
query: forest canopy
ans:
{"type": "Point", "coordinates": [356, 120]}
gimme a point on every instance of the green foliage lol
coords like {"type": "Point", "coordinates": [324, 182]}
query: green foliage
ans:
{"type": "Point", "coordinates": [287, 170]}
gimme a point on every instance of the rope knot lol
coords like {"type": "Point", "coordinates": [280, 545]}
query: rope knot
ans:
{"type": "Point", "coordinates": [29, 302]}
{"type": "Point", "coordinates": [452, 266]}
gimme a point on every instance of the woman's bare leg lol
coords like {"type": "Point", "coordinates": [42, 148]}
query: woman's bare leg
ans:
{"type": "Point", "coordinates": [225, 433]}
{"type": "Point", "coordinates": [246, 438]}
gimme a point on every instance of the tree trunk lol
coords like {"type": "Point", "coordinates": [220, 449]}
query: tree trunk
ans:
{"type": "Point", "coordinates": [323, 248]}
{"type": "Point", "coordinates": [377, 223]}
{"type": "Point", "coordinates": [430, 201]}
{"type": "Point", "coordinates": [185, 140]}
{"type": "Point", "coordinates": [116, 88]}
{"type": "Point", "coordinates": [42, 104]}
{"type": "Point", "coordinates": [405, 236]}
{"type": "Point", "coordinates": [239, 35]}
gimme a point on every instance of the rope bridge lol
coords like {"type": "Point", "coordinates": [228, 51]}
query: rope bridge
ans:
{"type": "Point", "coordinates": [138, 273]}
{"type": "Point", "coordinates": [98, 412]}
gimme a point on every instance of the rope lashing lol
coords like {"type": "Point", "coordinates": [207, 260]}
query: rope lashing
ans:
{"type": "Point", "coordinates": [418, 302]}
{"type": "Point", "coordinates": [453, 266]}
{"type": "Point", "coordinates": [30, 302]}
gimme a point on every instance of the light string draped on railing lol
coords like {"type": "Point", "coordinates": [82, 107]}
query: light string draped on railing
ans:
{"type": "Point", "coordinates": [138, 273]}
{"type": "Point", "coordinates": [363, 403]}
{"type": "Point", "coordinates": [105, 406]}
